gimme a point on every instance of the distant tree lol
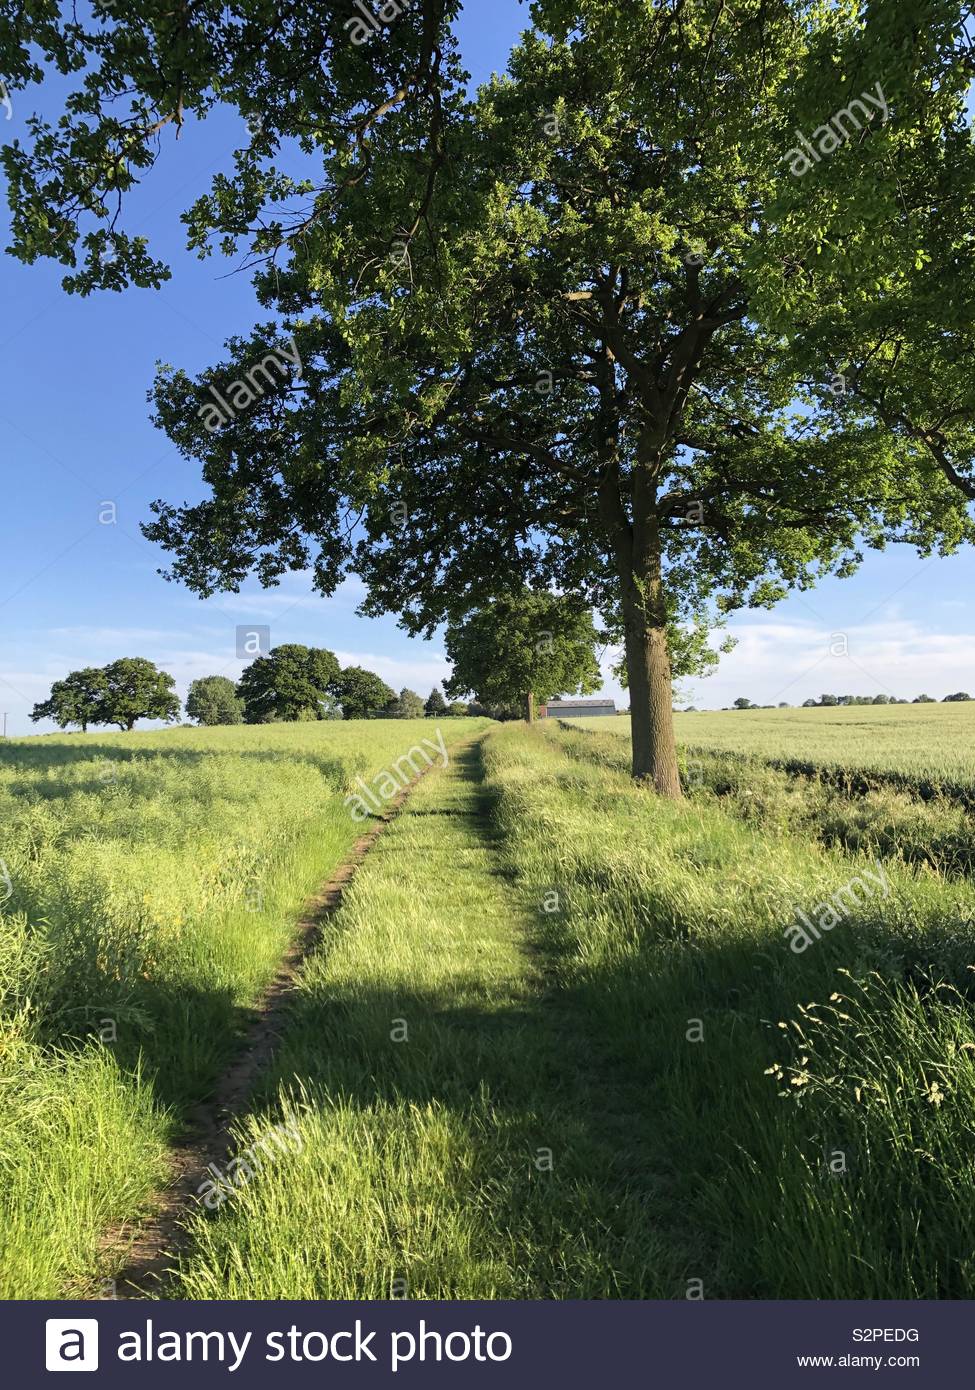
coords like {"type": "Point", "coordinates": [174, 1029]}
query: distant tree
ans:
{"type": "Point", "coordinates": [881, 699]}
{"type": "Point", "coordinates": [959, 696]}
{"type": "Point", "coordinates": [457, 709]}
{"type": "Point", "coordinates": [136, 689]}
{"type": "Point", "coordinates": [436, 704]}
{"type": "Point", "coordinates": [742, 703]}
{"type": "Point", "coordinates": [828, 700]}
{"type": "Point", "coordinates": [476, 710]}
{"type": "Point", "coordinates": [328, 709]}
{"type": "Point", "coordinates": [809, 704]}
{"type": "Point", "coordinates": [523, 647]}
{"type": "Point", "coordinates": [214, 700]}
{"type": "Point", "coordinates": [78, 699]}
{"type": "Point", "coordinates": [924, 700]}
{"type": "Point", "coordinates": [362, 694]}
{"type": "Point", "coordinates": [784, 704]}
{"type": "Point", "coordinates": [291, 682]}
{"type": "Point", "coordinates": [407, 705]}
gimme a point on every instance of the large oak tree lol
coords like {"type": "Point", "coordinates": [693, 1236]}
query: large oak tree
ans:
{"type": "Point", "coordinates": [571, 379]}
{"type": "Point", "coordinates": [870, 273]}
{"type": "Point", "coordinates": [579, 333]}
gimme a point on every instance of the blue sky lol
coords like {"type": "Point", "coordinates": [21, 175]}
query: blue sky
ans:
{"type": "Point", "coordinates": [76, 435]}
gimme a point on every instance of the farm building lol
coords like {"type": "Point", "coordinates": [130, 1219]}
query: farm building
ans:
{"type": "Point", "coordinates": [576, 709]}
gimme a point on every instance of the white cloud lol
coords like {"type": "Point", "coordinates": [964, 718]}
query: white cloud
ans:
{"type": "Point", "coordinates": [796, 661]}
{"type": "Point", "coordinates": [418, 675]}
{"type": "Point", "coordinates": [295, 591]}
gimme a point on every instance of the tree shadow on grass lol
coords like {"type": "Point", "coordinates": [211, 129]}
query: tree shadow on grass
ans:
{"type": "Point", "coordinates": [644, 1077]}
{"type": "Point", "coordinates": [172, 1036]}
{"type": "Point", "coordinates": [648, 1129]}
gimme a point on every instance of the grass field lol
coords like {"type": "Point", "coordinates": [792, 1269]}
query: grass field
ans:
{"type": "Point", "coordinates": [151, 883]}
{"type": "Point", "coordinates": [557, 1042]}
{"type": "Point", "coordinates": [929, 745]}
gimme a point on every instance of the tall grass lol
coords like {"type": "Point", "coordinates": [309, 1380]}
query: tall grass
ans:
{"type": "Point", "coordinates": [936, 833]}
{"type": "Point", "coordinates": [602, 976]}
{"type": "Point", "coordinates": [555, 1043]}
{"type": "Point", "coordinates": [818, 1137]}
{"type": "Point", "coordinates": [155, 880]}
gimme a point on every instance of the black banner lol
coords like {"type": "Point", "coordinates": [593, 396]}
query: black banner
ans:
{"type": "Point", "coordinates": [692, 1344]}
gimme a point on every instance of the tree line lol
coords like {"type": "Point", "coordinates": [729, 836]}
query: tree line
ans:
{"type": "Point", "coordinates": [292, 683]}
{"type": "Point", "coordinates": [592, 328]}
{"type": "Point", "coordinates": [509, 654]}
{"type": "Point", "coordinates": [827, 701]}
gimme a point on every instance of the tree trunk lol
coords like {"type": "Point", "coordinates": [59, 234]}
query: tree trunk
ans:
{"type": "Point", "coordinates": [648, 666]}
{"type": "Point", "coordinates": [635, 545]}
{"type": "Point", "coordinates": [651, 710]}
{"type": "Point", "coordinates": [530, 707]}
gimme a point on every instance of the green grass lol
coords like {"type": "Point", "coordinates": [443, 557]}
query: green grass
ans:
{"type": "Point", "coordinates": [931, 747]}
{"type": "Point", "coordinates": [555, 1044]}
{"type": "Point", "coordinates": [861, 1047]}
{"type": "Point", "coordinates": [462, 1135]}
{"type": "Point", "coordinates": [604, 975]}
{"type": "Point", "coordinates": [156, 879]}
{"type": "Point", "coordinates": [881, 820]}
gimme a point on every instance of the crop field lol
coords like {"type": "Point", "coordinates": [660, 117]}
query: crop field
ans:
{"type": "Point", "coordinates": [560, 1038]}
{"type": "Point", "coordinates": [928, 745]}
{"type": "Point", "coordinates": [925, 745]}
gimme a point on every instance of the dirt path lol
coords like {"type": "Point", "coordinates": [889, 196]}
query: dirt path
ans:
{"type": "Point", "coordinates": [150, 1252]}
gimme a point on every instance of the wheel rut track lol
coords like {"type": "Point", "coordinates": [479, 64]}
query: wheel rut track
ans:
{"type": "Point", "coordinates": [151, 1253]}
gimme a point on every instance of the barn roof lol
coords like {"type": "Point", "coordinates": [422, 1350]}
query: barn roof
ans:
{"type": "Point", "coordinates": [579, 704]}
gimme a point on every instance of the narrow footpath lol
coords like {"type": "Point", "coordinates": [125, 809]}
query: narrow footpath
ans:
{"type": "Point", "coordinates": [445, 1130]}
